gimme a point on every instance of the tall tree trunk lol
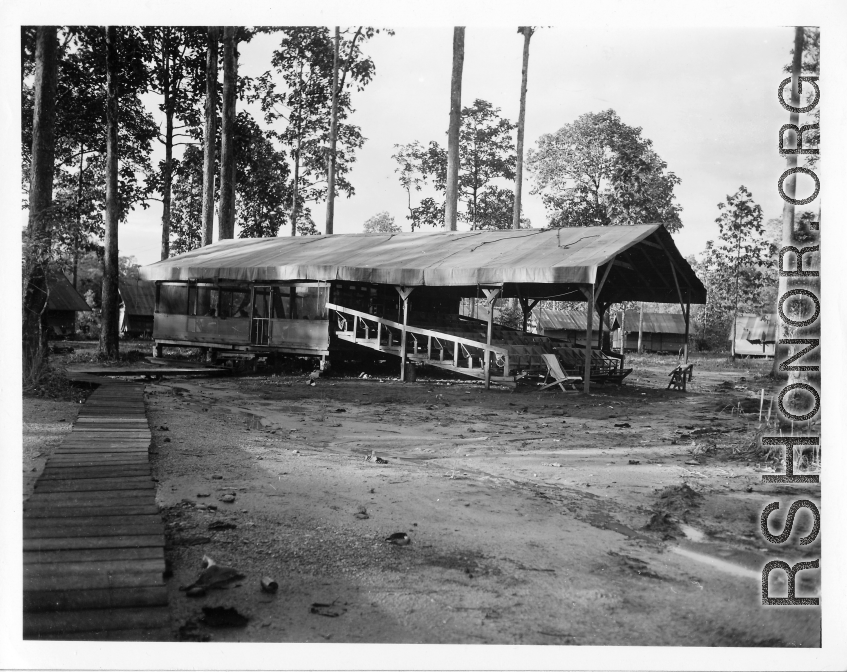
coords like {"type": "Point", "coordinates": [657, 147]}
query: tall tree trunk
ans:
{"type": "Point", "coordinates": [516, 213]}
{"type": "Point", "coordinates": [167, 177]}
{"type": "Point", "coordinates": [295, 197]}
{"type": "Point", "coordinates": [789, 185]}
{"type": "Point", "coordinates": [209, 131]}
{"type": "Point", "coordinates": [78, 225]}
{"type": "Point", "coordinates": [451, 206]}
{"type": "Point", "coordinates": [39, 225]}
{"type": "Point", "coordinates": [226, 211]}
{"type": "Point", "coordinates": [167, 182]}
{"type": "Point", "coordinates": [735, 304]}
{"type": "Point", "coordinates": [109, 313]}
{"type": "Point", "coordinates": [333, 139]}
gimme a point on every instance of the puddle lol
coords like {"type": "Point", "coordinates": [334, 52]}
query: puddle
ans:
{"type": "Point", "coordinates": [692, 533]}
{"type": "Point", "coordinates": [721, 565]}
{"type": "Point", "coordinates": [603, 521]}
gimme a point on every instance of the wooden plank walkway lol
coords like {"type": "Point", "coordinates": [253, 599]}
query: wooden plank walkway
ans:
{"type": "Point", "coordinates": [93, 537]}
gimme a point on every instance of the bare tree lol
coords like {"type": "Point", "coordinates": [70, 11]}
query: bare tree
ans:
{"type": "Point", "coordinates": [226, 210]}
{"type": "Point", "coordinates": [527, 32]}
{"type": "Point", "coordinates": [451, 206]}
{"type": "Point", "coordinates": [109, 304]}
{"type": "Point", "coordinates": [209, 133]}
{"type": "Point", "coordinates": [39, 224]}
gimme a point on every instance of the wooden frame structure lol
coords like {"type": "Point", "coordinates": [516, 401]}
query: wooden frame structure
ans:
{"type": "Point", "coordinates": [404, 287]}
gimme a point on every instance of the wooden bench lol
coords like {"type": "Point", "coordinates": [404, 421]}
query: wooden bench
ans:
{"type": "Point", "coordinates": [680, 376]}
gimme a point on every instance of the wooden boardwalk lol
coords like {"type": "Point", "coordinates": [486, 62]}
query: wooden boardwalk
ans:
{"type": "Point", "coordinates": [93, 537]}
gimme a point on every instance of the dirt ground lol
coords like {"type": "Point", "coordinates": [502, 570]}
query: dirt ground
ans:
{"type": "Point", "coordinates": [626, 517]}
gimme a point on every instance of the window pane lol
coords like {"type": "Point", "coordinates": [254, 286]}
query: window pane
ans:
{"type": "Point", "coordinates": [310, 303]}
{"type": "Point", "coordinates": [203, 301]}
{"type": "Point", "coordinates": [234, 303]}
{"type": "Point", "coordinates": [173, 299]}
{"type": "Point", "coordinates": [281, 305]}
{"type": "Point", "coordinates": [260, 303]}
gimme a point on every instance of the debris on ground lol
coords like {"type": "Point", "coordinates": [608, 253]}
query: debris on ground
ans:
{"type": "Point", "coordinates": [663, 523]}
{"type": "Point", "coordinates": [268, 584]}
{"type": "Point", "coordinates": [328, 610]}
{"type": "Point", "coordinates": [190, 632]}
{"type": "Point", "coordinates": [361, 513]}
{"type": "Point", "coordinates": [228, 498]}
{"type": "Point", "coordinates": [399, 539]}
{"type": "Point", "coordinates": [221, 525]}
{"type": "Point", "coordinates": [679, 499]}
{"type": "Point", "coordinates": [224, 617]}
{"type": "Point", "coordinates": [373, 457]}
{"type": "Point", "coordinates": [635, 461]}
{"type": "Point", "coordinates": [623, 425]}
{"type": "Point", "coordinates": [214, 575]}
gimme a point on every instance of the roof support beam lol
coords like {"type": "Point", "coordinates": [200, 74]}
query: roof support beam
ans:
{"type": "Point", "coordinates": [588, 290]}
{"type": "Point", "coordinates": [404, 293]}
{"type": "Point", "coordinates": [599, 287]}
{"type": "Point", "coordinates": [491, 298]}
{"type": "Point", "coordinates": [653, 266]}
{"type": "Point", "coordinates": [675, 280]}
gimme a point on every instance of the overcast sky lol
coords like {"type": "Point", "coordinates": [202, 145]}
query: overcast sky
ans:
{"type": "Point", "coordinates": [704, 96]}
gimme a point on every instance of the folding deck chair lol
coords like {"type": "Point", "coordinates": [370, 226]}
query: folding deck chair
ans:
{"type": "Point", "coordinates": [560, 378]}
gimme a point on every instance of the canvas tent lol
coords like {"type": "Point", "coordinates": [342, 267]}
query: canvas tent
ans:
{"type": "Point", "coordinates": [660, 332]}
{"type": "Point", "coordinates": [63, 301]}
{"type": "Point", "coordinates": [138, 302]}
{"type": "Point", "coordinates": [312, 294]}
{"type": "Point", "coordinates": [755, 335]}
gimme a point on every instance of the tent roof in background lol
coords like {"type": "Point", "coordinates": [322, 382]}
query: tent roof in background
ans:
{"type": "Point", "coordinates": [62, 295]}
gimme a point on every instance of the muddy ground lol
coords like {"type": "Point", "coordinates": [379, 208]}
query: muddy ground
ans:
{"type": "Point", "coordinates": [626, 517]}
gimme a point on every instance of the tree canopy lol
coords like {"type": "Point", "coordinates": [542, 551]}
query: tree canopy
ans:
{"type": "Point", "coordinates": [486, 162]}
{"type": "Point", "coordinates": [597, 171]}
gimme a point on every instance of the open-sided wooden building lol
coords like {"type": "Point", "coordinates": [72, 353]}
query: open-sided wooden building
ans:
{"type": "Point", "coordinates": [138, 303]}
{"type": "Point", "coordinates": [660, 332]}
{"type": "Point", "coordinates": [399, 294]}
{"type": "Point", "coordinates": [63, 302]}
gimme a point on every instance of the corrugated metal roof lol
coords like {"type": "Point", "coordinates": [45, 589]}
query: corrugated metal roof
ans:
{"type": "Point", "coordinates": [755, 328]}
{"type": "Point", "coordinates": [653, 323]}
{"type": "Point", "coordinates": [139, 297]}
{"type": "Point", "coordinates": [62, 295]}
{"type": "Point", "coordinates": [570, 320]}
{"type": "Point", "coordinates": [466, 258]}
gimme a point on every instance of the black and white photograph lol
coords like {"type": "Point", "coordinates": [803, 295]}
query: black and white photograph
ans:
{"type": "Point", "coordinates": [344, 345]}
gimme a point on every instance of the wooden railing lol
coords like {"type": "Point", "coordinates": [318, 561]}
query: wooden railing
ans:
{"type": "Point", "coordinates": [420, 342]}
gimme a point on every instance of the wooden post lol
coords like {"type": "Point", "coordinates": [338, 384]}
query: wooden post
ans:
{"type": "Point", "coordinates": [589, 318]}
{"type": "Point", "coordinates": [640, 322]}
{"type": "Point", "coordinates": [623, 330]}
{"type": "Point", "coordinates": [404, 295]}
{"type": "Point", "coordinates": [379, 334]}
{"type": "Point", "coordinates": [687, 321]}
{"type": "Point", "coordinates": [601, 310]}
{"type": "Point", "coordinates": [491, 297]}
{"type": "Point", "coordinates": [403, 339]}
